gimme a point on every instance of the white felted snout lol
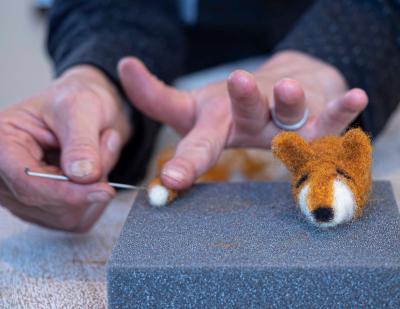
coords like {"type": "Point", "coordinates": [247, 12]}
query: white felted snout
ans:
{"type": "Point", "coordinates": [158, 195]}
{"type": "Point", "coordinates": [343, 205]}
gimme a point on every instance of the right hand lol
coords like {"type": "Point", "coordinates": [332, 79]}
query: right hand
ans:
{"type": "Point", "coordinates": [237, 112]}
{"type": "Point", "coordinates": [77, 127]}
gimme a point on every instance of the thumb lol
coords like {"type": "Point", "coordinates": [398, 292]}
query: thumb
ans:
{"type": "Point", "coordinates": [154, 98]}
{"type": "Point", "coordinates": [78, 129]}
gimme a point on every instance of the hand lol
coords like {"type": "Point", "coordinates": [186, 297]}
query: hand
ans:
{"type": "Point", "coordinates": [236, 112]}
{"type": "Point", "coordinates": [78, 123]}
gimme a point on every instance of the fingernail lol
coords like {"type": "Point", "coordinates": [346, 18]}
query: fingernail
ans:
{"type": "Point", "coordinates": [175, 174]}
{"type": "Point", "coordinates": [113, 142]}
{"type": "Point", "coordinates": [231, 76]}
{"type": "Point", "coordinates": [80, 168]}
{"type": "Point", "coordinates": [98, 197]}
{"type": "Point", "coordinates": [239, 77]}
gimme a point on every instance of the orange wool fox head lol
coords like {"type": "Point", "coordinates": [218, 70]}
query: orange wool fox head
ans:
{"type": "Point", "coordinates": [331, 176]}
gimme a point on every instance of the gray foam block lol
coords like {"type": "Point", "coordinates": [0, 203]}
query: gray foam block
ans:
{"type": "Point", "coordinates": [247, 245]}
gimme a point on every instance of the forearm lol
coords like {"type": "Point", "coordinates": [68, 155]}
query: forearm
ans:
{"type": "Point", "coordinates": [359, 39]}
{"type": "Point", "coordinates": [102, 32]}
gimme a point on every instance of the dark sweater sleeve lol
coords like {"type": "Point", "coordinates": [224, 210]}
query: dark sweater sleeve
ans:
{"type": "Point", "coordinates": [362, 40]}
{"type": "Point", "coordinates": [100, 33]}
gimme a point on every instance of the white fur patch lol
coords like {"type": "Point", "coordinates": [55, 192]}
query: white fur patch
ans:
{"type": "Point", "coordinates": [303, 202]}
{"type": "Point", "coordinates": [343, 204]}
{"type": "Point", "coordinates": [158, 196]}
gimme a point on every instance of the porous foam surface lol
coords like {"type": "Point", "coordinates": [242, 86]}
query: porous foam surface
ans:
{"type": "Point", "coordinates": [248, 245]}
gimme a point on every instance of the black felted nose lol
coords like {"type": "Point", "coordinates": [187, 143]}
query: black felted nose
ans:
{"type": "Point", "coordinates": [323, 214]}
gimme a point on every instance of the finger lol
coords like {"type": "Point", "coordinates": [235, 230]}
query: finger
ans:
{"type": "Point", "coordinates": [110, 145]}
{"type": "Point", "coordinates": [21, 139]}
{"type": "Point", "coordinates": [78, 129]}
{"type": "Point", "coordinates": [154, 98]}
{"type": "Point", "coordinates": [27, 120]}
{"type": "Point", "coordinates": [338, 114]}
{"type": "Point", "coordinates": [73, 220]}
{"type": "Point", "coordinates": [196, 153]}
{"type": "Point", "coordinates": [42, 219]}
{"type": "Point", "coordinates": [50, 195]}
{"type": "Point", "coordinates": [248, 106]}
{"type": "Point", "coordinates": [289, 101]}
{"type": "Point", "coordinates": [68, 221]}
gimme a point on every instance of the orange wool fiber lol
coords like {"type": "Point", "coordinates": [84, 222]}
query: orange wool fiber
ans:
{"type": "Point", "coordinates": [219, 172]}
{"type": "Point", "coordinates": [342, 159]}
{"type": "Point", "coordinates": [251, 164]}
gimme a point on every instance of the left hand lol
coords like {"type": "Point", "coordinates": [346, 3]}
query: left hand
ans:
{"type": "Point", "coordinates": [236, 112]}
{"type": "Point", "coordinates": [76, 126]}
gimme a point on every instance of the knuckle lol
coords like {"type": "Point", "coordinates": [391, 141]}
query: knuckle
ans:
{"type": "Point", "coordinates": [70, 99]}
{"type": "Point", "coordinates": [204, 144]}
{"type": "Point", "coordinates": [80, 145]}
{"type": "Point", "coordinates": [85, 151]}
{"type": "Point", "coordinates": [247, 108]}
{"type": "Point", "coordinates": [7, 129]}
{"type": "Point", "coordinates": [23, 138]}
{"type": "Point", "coordinates": [66, 101]}
{"type": "Point", "coordinates": [246, 119]}
{"type": "Point", "coordinates": [205, 147]}
{"type": "Point", "coordinates": [248, 116]}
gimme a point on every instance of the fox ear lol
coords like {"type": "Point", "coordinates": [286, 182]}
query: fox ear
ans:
{"type": "Point", "coordinates": [292, 150]}
{"type": "Point", "coordinates": [357, 148]}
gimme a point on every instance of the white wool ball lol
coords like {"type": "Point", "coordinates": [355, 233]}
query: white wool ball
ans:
{"type": "Point", "coordinates": [158, 196]}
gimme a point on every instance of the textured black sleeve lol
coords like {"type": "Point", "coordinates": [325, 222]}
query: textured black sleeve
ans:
{"type": "Point", "coordinates": [100, 33]}
{"type": "Point", "coordinates": [362, 39]}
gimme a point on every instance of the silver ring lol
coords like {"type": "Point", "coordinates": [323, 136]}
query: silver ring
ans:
{"type": "Point", "coordinates": [289, 127]}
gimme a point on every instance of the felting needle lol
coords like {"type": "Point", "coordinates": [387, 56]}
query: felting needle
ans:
{"type": "Point", "coordinates": [65, 178]}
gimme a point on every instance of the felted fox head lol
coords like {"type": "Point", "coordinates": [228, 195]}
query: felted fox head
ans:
{"type": "Point", "coordinates": [331, 176]}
